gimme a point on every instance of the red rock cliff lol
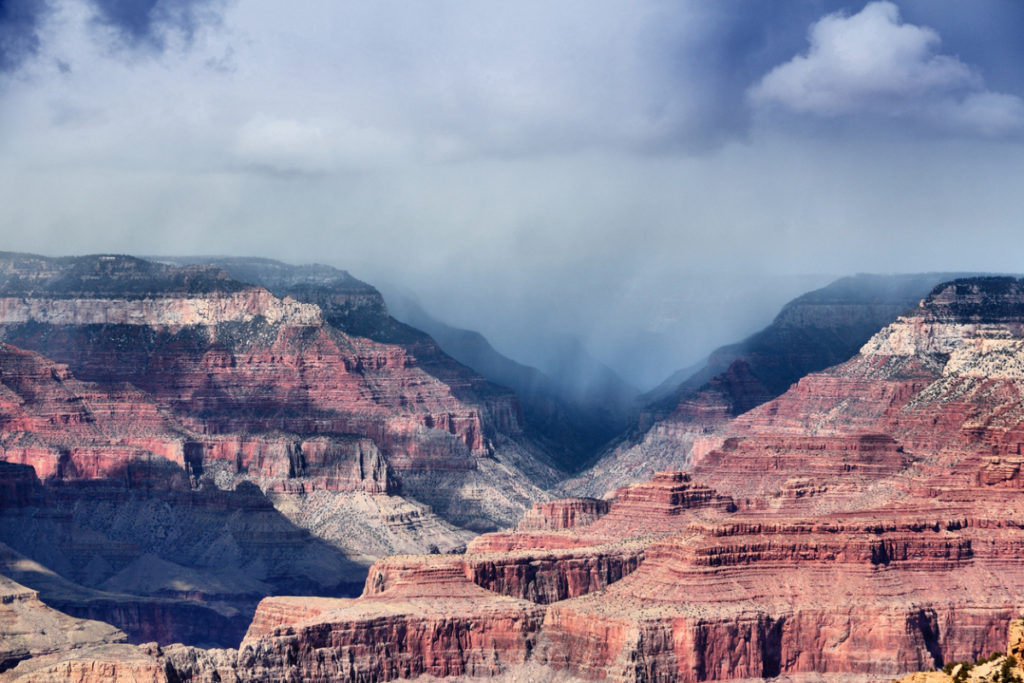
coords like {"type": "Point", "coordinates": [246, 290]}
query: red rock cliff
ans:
{"type": "Point", "coordinates": [867, 522]}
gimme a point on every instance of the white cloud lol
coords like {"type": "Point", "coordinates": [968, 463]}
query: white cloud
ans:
{"type": "Point", "coordinates": [873, 63]}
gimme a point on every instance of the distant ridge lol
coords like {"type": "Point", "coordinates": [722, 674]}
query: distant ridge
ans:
{"type": "Point", "coordinates": [576, 413]}
{"type": "Point", "coordinates": [814, 331]}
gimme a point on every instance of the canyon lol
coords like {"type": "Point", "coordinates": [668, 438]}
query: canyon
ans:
{"type": "Point", "coordinates": [199, 469]}
{"type": "Point", "coordinates": [577, 412]}
{"type": "Point", "coordinates": [819, 329]}
{"type": "Point", "coordinates": [866, 522]}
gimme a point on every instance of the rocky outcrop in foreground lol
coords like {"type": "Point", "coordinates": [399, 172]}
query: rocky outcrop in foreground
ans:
{"type": "Point", "coordinates": [31, 629]}
{"type": "Point", "coordinates": [1002, 666]}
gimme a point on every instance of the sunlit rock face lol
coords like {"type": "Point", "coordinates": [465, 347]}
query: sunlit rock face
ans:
{"type": "Point", "coordinates": [226, 357]}
{"type": "Point", "coordinates": [865, 523]}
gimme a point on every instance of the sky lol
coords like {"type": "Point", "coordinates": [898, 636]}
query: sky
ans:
{"type": "Point", "coordinates": [651, 177]}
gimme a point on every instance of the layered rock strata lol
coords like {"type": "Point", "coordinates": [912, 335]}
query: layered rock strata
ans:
{"type": "Point", "coordinates": [276, 386]}
{"type": "Point", "coordinates": [999, 666]}
{"type": "Point", "coordinates": [443, 627]}
{"type": "Point", "coordinates": [564, 514]}
{"type": "Point", "coordinates": [201, 442]}
{"type": "Point", "coordinates": [867, 523]}
{"type": "Point", "coordinates": [812, 332]}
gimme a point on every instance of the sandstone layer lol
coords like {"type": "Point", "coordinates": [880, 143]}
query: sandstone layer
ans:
{"type": "Point", "coordinates": [866, 523]}
{"type": "Point", "coordinates": [281, 384]}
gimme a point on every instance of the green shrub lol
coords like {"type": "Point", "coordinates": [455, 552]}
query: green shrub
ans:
{"type": "Point", "coordinates": [1006, 674]}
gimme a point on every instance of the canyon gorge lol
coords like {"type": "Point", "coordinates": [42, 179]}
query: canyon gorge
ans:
{"type": "Point", "coordinates": [240, 470]}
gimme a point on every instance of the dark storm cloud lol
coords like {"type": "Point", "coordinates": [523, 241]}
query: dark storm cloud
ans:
{"type": "Point", "coordinates": [19, 30]}
{"type": "Point", "coordinates": [147, 23]}
{"type": "Point", "coordinates": [737, 42]}
{"type": "Point", "coordinates": [984, 34]}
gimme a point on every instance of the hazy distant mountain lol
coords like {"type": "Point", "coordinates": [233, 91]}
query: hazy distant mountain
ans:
{"type": "Point", "coordinates": [576, 410]}
{"type": "Point", "coordinates": [814, 331]}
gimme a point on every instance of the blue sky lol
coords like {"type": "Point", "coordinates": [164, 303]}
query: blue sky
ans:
{"type": "Point", "coordinates": [646, 174]}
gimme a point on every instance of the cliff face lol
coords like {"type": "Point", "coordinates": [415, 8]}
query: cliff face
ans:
{"type": "Point", "coordinates": [237, 358]}
{"type": "Point", "coordinates": [441, 629]}
{"type": "Point", "coordinates": [70, 430]}
{"type": "Point", "coordinates": [937, 391]}
{"type": "Point", "coordinates": [496, 483]}
{"type": "Point", "coordinates": [31, 629]}
{"type": "Point", "coordinates": [260, 376]}
{"type": "Point", "coordinates": [358, 309]}
{"type": "Point", "coordinates": [270, 383]}
{"type": "Point", "coordinates": [178, 444]}
{"type": "Point", "coordinates": [564, 514]}
{"type": "Point", "coordinates": [876, 523]}
{"type": "Point", "coordinates": [1002, 665]}
{"type": "Point", "coordinates": [812, 332]}
{"type": "Point", "coordinates": [867, 522]}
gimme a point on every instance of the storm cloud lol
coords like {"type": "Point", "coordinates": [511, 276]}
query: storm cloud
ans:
{"type": "Point", "coordinates": [19, 31]}
{"type": "Point", "coordinates": [150, 23]}
{"type": "Point", "coordinates": [653, 178]}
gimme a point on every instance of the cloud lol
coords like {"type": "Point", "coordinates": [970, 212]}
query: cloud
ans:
{"type": "Point", "coordinates": [19, 31]}
{"type": "Point", "coordinates": [872, 63]}
{"type": "Point", "coordinates": [295, 146]}
{"type": "Point", "coordinates": [149, 23]}
{"type": "Point", "coordinates": [518, 164]}
{"type": "Point", "coordinates": [459, 80]}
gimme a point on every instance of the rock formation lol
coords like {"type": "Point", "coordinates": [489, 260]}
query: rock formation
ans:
{"type": "Point", "coordinates": [867, 522]}
{"type": "Point", "coordinates": [478, 493]}
{"type": "Point", "coordinates": [177, 444]}
{"type": "Point", "coordinates": [275, 385]}
{"type": "Point", "coordinates": [814, 331]}
{"type": "Point", "coordinates": [31, 629]}
{"type": "Point", "coordinates": [1005, 666]}
{"type": "Point", "coordinates": [274, 381]}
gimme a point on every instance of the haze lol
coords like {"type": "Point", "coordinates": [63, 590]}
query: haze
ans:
{"type": "Point", "coordinates": [651, 178]}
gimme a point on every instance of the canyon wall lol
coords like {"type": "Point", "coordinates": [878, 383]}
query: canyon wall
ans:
{"type": "Point", "coordinates": [866, 523]}
{"type": "Point", "coordinates": [180, 444]}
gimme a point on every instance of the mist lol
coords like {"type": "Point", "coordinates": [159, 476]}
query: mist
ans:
{"type": "Point", "coordinates": [647, 180]}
